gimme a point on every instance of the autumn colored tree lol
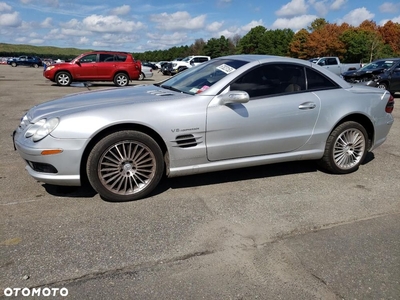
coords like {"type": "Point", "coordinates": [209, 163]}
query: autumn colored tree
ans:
{"type": "Point", "coordinates": [298, 45]}
{"type": "Point", "coordinates": [317, 24]}
{"type": "Point", "coordinates": [390, 33]}
{"type": "Point", "coordinates": [325, 41]}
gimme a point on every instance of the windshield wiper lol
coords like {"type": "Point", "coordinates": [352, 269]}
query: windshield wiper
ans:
{"type": "Point", "coordinates": [169, 87]}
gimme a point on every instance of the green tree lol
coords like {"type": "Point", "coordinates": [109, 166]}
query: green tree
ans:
{"type": "Point", "coordinates": [219, 47]}
{"type": "Point", "coordinates": [252, 42]}
{"type": "Point", "coordinates": [276, 42]}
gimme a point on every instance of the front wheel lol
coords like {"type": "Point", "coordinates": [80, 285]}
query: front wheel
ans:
{"type": "Point", "coordinates": [141, 76]}
{"type": "Point", "coordinates": [125, 166]}
{"type": "Point", "coordinates": [121, 79]}
{"type": "Point", "coordinates": [63, 78]}
{"type": "Point", "coordinates": [345, 148]}
{"type": "Point", "coordinates": [382, 86]}
{"type": "Point", "coordinates": [14, 64]}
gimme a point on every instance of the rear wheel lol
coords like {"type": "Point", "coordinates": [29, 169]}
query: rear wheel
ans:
{"type": "Point", "coordinates": [125, 166]}
{"type": "Point", "coordinates": [345, 148]}
{"type": "Point", "coordinates": [63, 78]}
{"type": "Point", "coordinates": [121, 79]}
{"type": "Point", "coordinates": [141, 76]}
{"type": "Point", "coordinates": [36, 66]}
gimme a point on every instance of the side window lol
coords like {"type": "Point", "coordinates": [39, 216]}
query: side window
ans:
{"type": "Point", "coordinates": [120, 57]}
{"type": "Point", "coordinates": [317, 81]}
{"type": "Point", "coordinates": [271, 79]}
{"type": "Point", "coordinates": [203, 59]}
{"type": "Point", "coordinates": [106, 58]}
{"type": "Point", "coordinates": [90, 58]}
{"type": "Point", "coordinates": [331, 61]}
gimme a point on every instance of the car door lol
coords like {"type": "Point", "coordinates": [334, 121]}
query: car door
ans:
{"type": "Point", "coordinates": [106, 66]}
{"type": "Point", "coordinates": [87, 67]}
{"type": "Point", "coordinates": [395, 79]}
{"type": "Point", "coordinates": [280, 116]}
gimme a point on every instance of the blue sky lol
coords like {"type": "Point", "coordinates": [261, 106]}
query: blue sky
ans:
{"type": "Point", "coordinates": [142, 25]}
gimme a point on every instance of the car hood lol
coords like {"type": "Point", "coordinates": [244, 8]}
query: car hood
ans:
{"type": "Point", "coordinates": [360, 73]}
{"type": "Point", "coordinates": [103, 99]}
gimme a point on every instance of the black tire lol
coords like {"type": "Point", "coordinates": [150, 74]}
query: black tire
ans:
{"type": "Point", "coordinates": [35, 66]}
{"type": "Point", "coordinates": [121, 79]}
{"type": "Point", "coordinates": [180, 69]}
{"type": "Point", "coordinates": [345, 149]}
{"type": "Point", "coordinates": [63, 78]}
{"type": "Point", "coordinates": [125, 166]}
{"type": "Point", "coordinates": [382, 86]}
{"type": "Point", "coordinates": [141, 76]}
{"type": "Point", "coordinates": [13, 64]}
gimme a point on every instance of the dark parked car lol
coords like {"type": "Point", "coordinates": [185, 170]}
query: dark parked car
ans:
{"type": "Point", "coordinates": [369, 71]}
{"type": "Point", "coordinates": [388, 80]}
{"type": "Point", "coordinates": [118, 67]}
{"type": "Point", "coordinates": [30, 61]}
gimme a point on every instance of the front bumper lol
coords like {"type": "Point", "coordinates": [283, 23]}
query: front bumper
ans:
{"type": "Point", "coordinates": [57, 169]}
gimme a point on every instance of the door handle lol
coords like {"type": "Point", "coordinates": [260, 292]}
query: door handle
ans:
{"type": "Point", "coordinates": [307, 105]}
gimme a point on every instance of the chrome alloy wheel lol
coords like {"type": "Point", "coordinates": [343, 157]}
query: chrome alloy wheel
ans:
{"type": "Point", "coordinates": [127, 167]}
{"type": "Point", "coordinates": [63, 79]}
{"type": "Point", "coordinates": [122, 80]}
{"type": "Point", "coordinates": [349, 148]}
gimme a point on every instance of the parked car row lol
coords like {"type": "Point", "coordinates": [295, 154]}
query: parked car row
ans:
{"type": "Point", "coordinates": [381, 73]}
{"type": "Point", "coordinates": [30, 61]}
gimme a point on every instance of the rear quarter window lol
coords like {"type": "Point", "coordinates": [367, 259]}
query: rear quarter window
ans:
{"type": "Point", "coordinates": [318, 81]}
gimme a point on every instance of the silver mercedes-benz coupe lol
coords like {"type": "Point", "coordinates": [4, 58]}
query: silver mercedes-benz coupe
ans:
{"type": "Point", "coordinates": [231, 112]}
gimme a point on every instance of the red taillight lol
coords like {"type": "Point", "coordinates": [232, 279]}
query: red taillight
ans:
{"type": "Point", "coordinates": [390, 105]}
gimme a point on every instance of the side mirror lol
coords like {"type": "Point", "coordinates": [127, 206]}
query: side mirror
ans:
{"type": "Point", "coordinates": [78, 62]}
{"type": "Point", "coordinates": [234, 97]}
{"type": "Point", "coordinates": [321, 63]}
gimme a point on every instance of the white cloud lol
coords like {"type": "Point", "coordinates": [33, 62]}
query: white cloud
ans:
{"type": "Point", "coordinates": [321, 7]}
{"type": "Point", "coordinates": [47, 23]}
{"type": "Point", "coordinates": [99, 23]}
{"type": "Point", "coordinates": [178, 21]}
{"type": "Point", "coordinates": [295, 23]}
{"type": "Point", "coordinates": [5, 7]}
{"type": "Point", "coordinates": [36, 41]}
{"type": "Point", "coordinates": [121, 10]}
{"type": "Point", "coordinates": [389, 7]}
{"type": "Point", "coordinates": [10, 20]}
{"type": "Point", "coordinates": [338, 4]}
{"type": "Point", "coordinates": [83, 41]}
{"type": "Point", "coordinates": [394, 20]}
{"type": "Point", "coordinates": [293, 8]}
{"type": "Point", "coordinates": [215, 26]}
{"type": "Point", "coordinates": [357, 16]}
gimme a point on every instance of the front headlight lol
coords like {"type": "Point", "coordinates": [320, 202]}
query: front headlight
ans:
{"type": "Point", "coordinates": [41, 129]}
{"type": "Point", "coordinates": [49, 68]}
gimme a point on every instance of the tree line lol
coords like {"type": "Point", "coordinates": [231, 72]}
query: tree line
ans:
{"type": "Point", "coordinates": [362, 43]}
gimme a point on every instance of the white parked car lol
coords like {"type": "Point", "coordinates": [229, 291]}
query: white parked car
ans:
{"type": "Point", "coordinates": [147, 72]}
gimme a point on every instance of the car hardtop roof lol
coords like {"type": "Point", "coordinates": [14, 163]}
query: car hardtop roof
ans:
{"type": "Point", "coordinates": [106, 51]}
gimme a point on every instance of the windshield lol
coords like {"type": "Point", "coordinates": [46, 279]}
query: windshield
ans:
{"type": "Point", "coordinates": [197, 79]}
{"type": "Point", "coordinates": [386, 64]}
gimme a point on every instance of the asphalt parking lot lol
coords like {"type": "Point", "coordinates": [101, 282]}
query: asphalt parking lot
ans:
{"type": "Point", "coordinates": [284, 231]}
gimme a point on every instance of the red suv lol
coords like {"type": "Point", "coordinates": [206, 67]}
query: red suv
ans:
{"type": "Point", "coordinates": [118, 67]}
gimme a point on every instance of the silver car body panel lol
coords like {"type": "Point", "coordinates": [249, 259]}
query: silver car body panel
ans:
{"type": "Point", "coordinates": [217, 136]}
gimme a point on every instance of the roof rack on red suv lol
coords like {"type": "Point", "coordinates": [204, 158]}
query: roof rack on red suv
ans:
{"type": "Point", "coordinates": [115, 66]}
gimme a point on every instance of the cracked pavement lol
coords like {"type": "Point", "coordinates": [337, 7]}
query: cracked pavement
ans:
{"type": "Point", "coordinates": [284, 231]}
